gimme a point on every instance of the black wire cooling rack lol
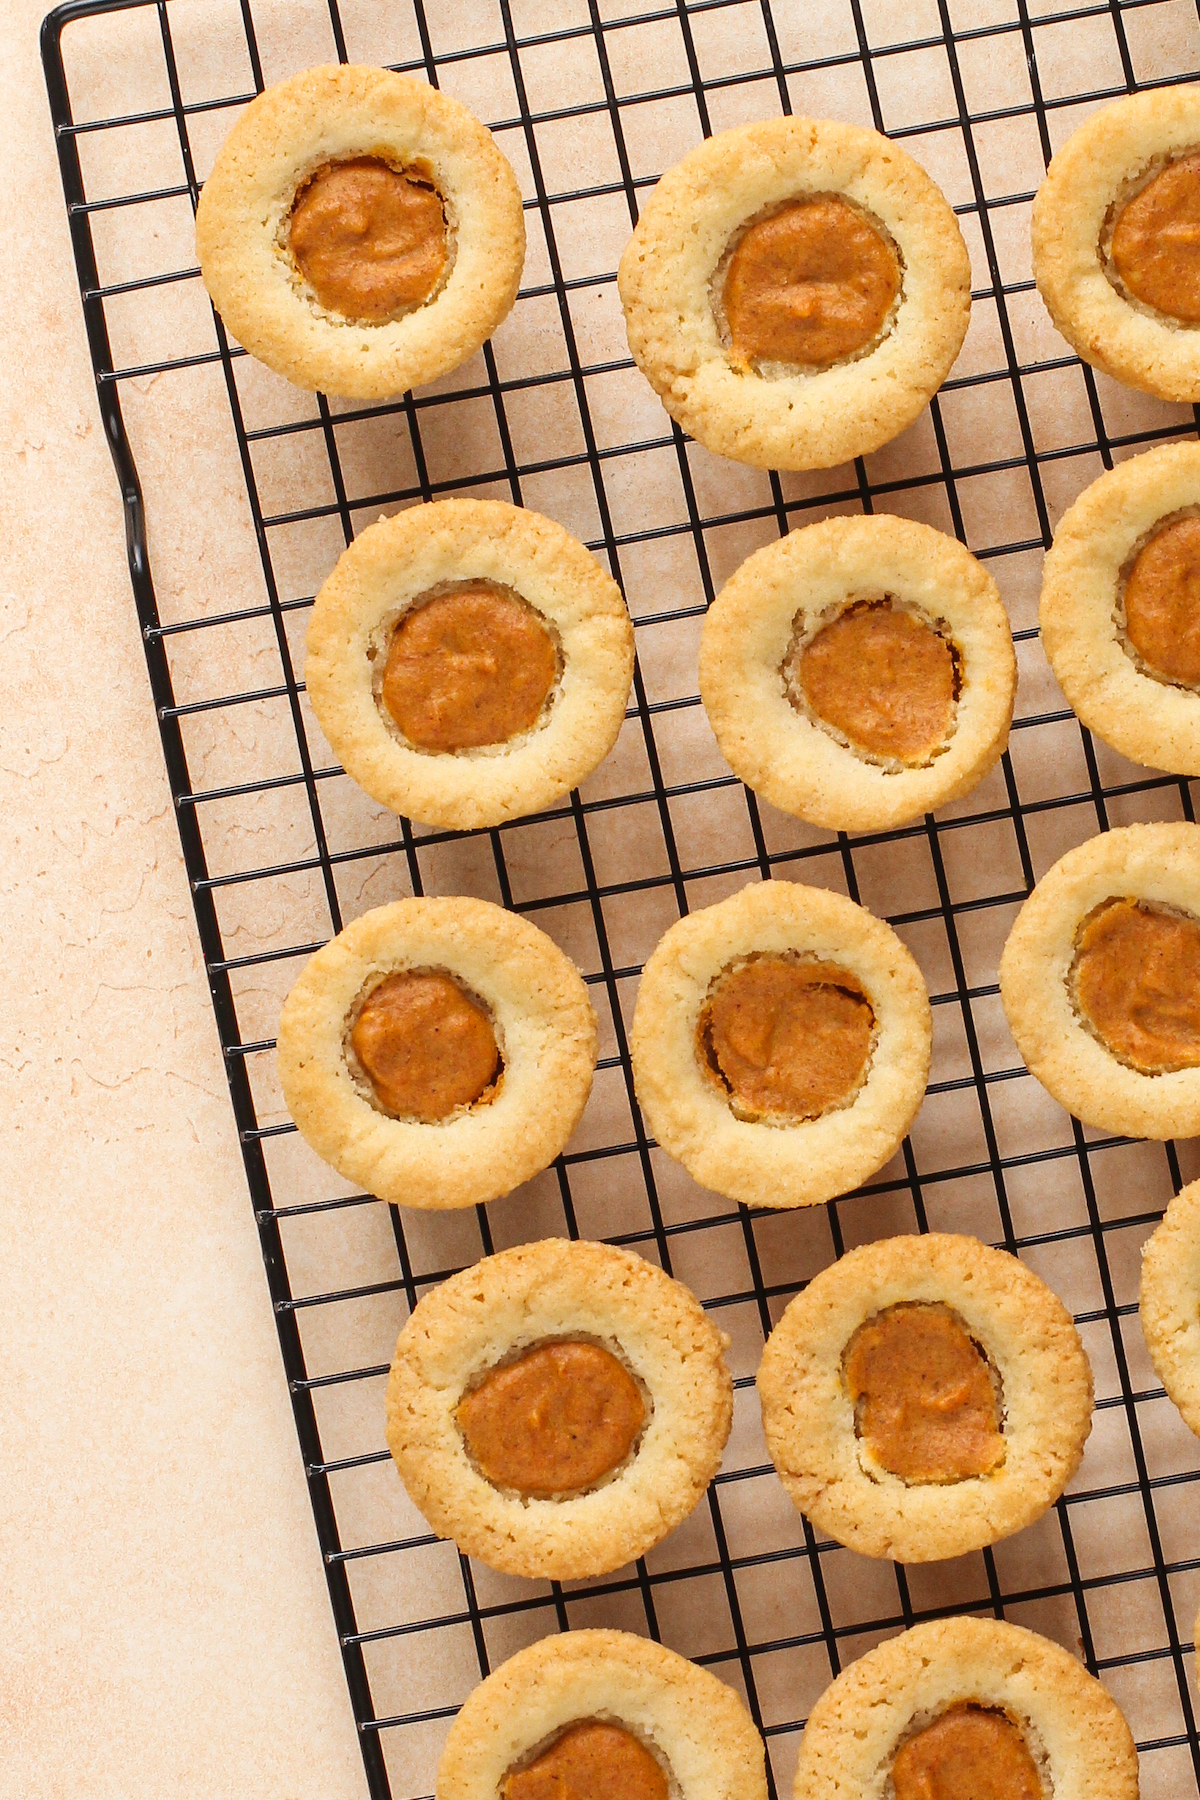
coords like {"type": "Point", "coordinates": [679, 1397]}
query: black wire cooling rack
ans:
{"type": "Point", "coordinates": [591, 99]}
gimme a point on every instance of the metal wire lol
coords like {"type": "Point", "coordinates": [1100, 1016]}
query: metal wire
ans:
{"type": "Point", "coordinates": [779, 1609]}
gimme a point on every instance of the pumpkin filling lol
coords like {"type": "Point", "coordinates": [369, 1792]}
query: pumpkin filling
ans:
{"type": "Point", "coordinates": [370, 241]}
{"type": "Point", "coordinates": [554, 1422]}
{"type": "Point", "coordinates": [1162, 603]}
{"type": "Point", "coordinates": [592, 1760]}
{"type": "Point", "coordinates": [882, 678]}
{"type": "Point", "coordinates": [925, 1402]}
{"type": "Point", "coordinates": [425, 1046]}
{"type": "Point", "coordinates": [809, 285]}
{"type": "Point", "coordinates": [468, 669]}
{"type": "Point", "coordinates": [1135, 981]}
{"type": "Point", "coordinates": [970, 1750]}
{"type": "Point", "coordinates": [786, 1038]}
{"type": "Point", "coordinates": [1156, 242]}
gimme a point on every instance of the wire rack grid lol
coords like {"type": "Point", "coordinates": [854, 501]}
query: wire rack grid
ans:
{"type": "Point", "coordinates": [253, 488]}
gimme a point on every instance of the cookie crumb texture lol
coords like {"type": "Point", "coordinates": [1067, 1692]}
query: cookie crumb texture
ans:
{"type": "Point", "coordinates": [544, 1026]}
{"type": "Point", "coordinates": [695, 1726]}
{"type": "Point", "coordinates": [819, 1441]}
{"type": "Point", "coordinates": [776, 1160]}
{"type": "Point", "coordinates": [1102, 167]}
{"type": "Point", "coordinates": [314, 122]}
{"type": "Point", "coordinates": [547, 1293]}
{"type": "Point", "coordinates": [1169, 1303]}
{"type": "Point", "coordinates": [756, 409]}
{"type": "Point", "coordinates": [1072, 1729]}
{"type": "Point", "coordinates": [1158, 867]}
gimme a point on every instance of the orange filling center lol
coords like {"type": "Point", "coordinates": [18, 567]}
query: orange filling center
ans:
{"type": "Point", "coordinates": [1156, 242]}
{"type": "Point", "coordinates": [786, 1038]}
{"type": "Point", "coordinates": [924, 1403]}
{"type": "Point", "coordinates": [1136, 980]}
{"type": "Point", "coordinates": [590, 1761]}
{"type": "Point", "coordinates": [970, 1753]}
{"type": "Point", "coordinates": [556, 1421]}
{"type": "Point", "coordinates": [425, 1047]}
{"type": "Point", "coordinates": [883, 678]}
{"type": "Point", "coordinates": [370, 242]}
{"type": "Point", "coordinates": [810, 285]}
{"type": "Point", "coordinates": [1162, 602]}
{"type": "Point", "coordinates": [468, 669]}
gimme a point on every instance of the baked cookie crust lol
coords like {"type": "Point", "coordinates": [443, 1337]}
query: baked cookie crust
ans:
{"type": "Point", "coordinates": [1097, 170]}
{"type": "Point", "coordinates": [779, 1165]}
{"type": "Point", "coordinates": [799, 420]}
{"type": "Point", "coordinates": [1143, 862]}
{"type": "Point", "coordinates": [1073, 1726]}
{"type": "Point", "coordinates": [507, 1304]}
{"type": "Point", "coordinates": [398, 561]}
{"type": "Point", "coordinates": [1169, 1303]}
{"type": "Point", "coordinates": [808, 1415]}
{"type": "Point", "coordinates": [323, 115]}
{"type": "Point", "coordinates": [1149, 720]}
{"type": "Point", "coordinates": [786, 590]}
{"type": "Point", "coordinates": [545, 1028]}
{"type": "Point", "coordinates": [690, 1719]}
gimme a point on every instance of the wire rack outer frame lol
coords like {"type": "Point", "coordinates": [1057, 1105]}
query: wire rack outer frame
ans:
{"type": "Point", "coordinates": [250, 1134]}
{"type": "Point", "coordinates": [196, 865]}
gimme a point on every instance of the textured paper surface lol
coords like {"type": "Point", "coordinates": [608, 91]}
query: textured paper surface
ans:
{"type": "Point", "coordinates": [172, 1602]}
{"type": "Point", "coordinates": [166, 1627]}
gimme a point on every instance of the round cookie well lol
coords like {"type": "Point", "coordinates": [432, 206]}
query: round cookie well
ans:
{"type": "Point", "coordinates": [363, 1084]}
{"type": "Point", "coordinates": [1179, 940]}
{"type": "Point", "coordinates": [1130, 191]}
{"type": "Point", "coordinates": [641, 1737]}
{"type": "Point", "coordinates": [383, 636]}
{"type": "Point", "coordinates": [1024, 1726]}
{"type": "Point", "coordinates": [1120, 609]}
{"type": "Point", "coordinates": [417, 173]}
{"type": "Point", "coordinates": [516, 1354]}
{"type": "Point", "coordinates": [772, 369]}
{"type": "Point", "coordinates": [876, 1467]}
{"type": "Point", "coordinates": [805, 635]}
{"type": "Point", "coordinates": [830, 982]}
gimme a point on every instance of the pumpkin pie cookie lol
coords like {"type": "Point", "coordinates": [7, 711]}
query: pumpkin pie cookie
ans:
{"type": "Point", "coordinates": [859, 672]}
{"type": "Point", "coordinates": [1116, 241]}
{"type": "Point", "coordinates": [781, 1044]}
{"type": "Point", "coordinates": [925, 1396]}
{"type": "Point", "coordinates": [1169, 1304]}
{"type": "Point", "coordinates": [601, 1712]}
{"type": "Point", "coordinates": [469, 662]}
{"type": "Point", "coordinates": [965, 1707]}
{"type": "Point", "coordinates": [1100, 979]}
{"type": "Point", "coordinates": [795, 291]}
{"type": "Point", "coordinates": [360, 233]}
{"type": "Point", "coordinates": [1120, 609]}
{"type": "Point", "coordinates": [558, 1408]}
{"type": "Point", "coordinates": [438, 1052]}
